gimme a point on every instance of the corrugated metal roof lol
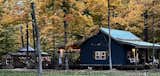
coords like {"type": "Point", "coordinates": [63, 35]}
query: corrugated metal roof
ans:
{"type": "Point", "coordinates": [129, 38]}
{"type": "Point", "coordinates": [120, 34]}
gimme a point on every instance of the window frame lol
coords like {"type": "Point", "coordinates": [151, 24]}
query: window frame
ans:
{"type": "Point", "coordinates": [100, 55]}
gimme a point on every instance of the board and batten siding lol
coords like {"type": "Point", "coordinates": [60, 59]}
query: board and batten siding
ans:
{"type": "Point", "coordinates": [99, 42]}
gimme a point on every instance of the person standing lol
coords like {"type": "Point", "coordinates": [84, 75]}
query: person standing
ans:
{"type": "Point", "coordinates": [60, 58]}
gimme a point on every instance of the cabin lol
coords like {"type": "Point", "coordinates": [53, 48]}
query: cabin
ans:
{"type": "Point", "coordinates": [19, 59]}
{"type": "Point", "coordinates": [126, 49]}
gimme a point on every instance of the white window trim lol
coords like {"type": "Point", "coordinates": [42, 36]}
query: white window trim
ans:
{"type": "Point", "coordinates": [98, 55]}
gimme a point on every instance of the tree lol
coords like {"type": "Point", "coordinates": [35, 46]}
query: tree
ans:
{"type": "Point", "coordinates": [84, 17]}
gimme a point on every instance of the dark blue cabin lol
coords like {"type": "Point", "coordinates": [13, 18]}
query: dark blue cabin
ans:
{"type": "Point", "coordinates": [94, 50]}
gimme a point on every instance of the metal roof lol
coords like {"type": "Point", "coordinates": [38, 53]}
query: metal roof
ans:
{"type": "Point", "coordinates": [129, 38]}
{"type": "Point", "coordinates": [120, 34]}
{"type": "Point", "coordinates": [24, 49]}
{"type": "Point", "coordinates": [141, 44]}
{"type": "Point", "coordinates": [24, 54]}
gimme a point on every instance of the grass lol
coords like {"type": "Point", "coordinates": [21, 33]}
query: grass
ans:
{"type": "Point", "coordinates": [76, 73]}
{"type": "Point", "coordinates": [16, 73]}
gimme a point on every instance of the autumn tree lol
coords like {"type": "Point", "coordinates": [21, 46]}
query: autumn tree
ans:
{"type": "Point", "coordinates": [84, 18]}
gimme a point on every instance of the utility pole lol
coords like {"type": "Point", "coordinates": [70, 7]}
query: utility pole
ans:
{"type": "Point", "coordinates": [109, 42]}
{"type": "Point", "coordinates": [37, 35]}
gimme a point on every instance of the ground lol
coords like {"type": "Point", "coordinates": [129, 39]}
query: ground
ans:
{"type": "Point", "coordinates": [24, 72]}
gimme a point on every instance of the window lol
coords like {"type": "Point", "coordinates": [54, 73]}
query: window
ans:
{"type": "Point", "coordinates": [96, 44]}
{"type": "Point", "coordinates": [100, 55]}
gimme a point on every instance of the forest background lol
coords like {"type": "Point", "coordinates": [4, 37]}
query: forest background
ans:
{"type": "Point", "coordinates": [84, 17]}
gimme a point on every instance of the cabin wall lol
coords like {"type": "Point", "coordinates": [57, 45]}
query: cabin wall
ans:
{"type": "Point", "coordinates": [89, 47]}
{"type": "Point", "coordinates": [119, 54]}
{"type": "Point", "coordinates": [99, 42]}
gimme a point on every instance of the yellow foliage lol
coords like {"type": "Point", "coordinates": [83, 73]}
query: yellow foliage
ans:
{"type": "Point", "coordinates": [47, 29]}
{"type": "Point", "coordinates": [83, 15]}
{"type": "Point", "coordinates": [80, 5]}
{"type": "Point", "coordinates": [7, 19]}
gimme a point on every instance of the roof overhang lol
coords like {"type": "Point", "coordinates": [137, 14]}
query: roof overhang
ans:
{"type": "Point", "coordinates": [141, 44]}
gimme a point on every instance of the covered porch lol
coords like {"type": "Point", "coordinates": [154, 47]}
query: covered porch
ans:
{"type": "Point", "coordinates": [141, 52]}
